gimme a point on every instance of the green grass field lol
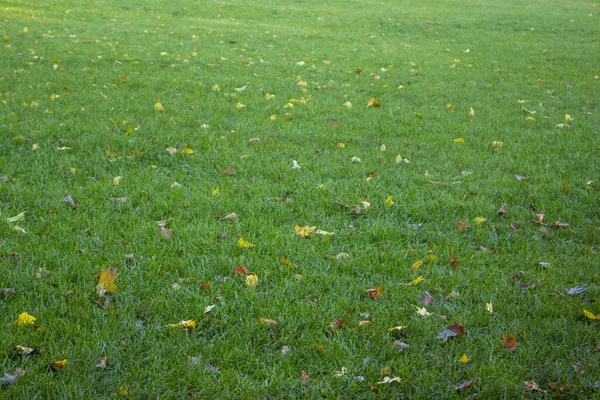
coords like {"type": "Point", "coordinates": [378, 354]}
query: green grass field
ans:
{"type": "Point", "coordinates": [445, 147]}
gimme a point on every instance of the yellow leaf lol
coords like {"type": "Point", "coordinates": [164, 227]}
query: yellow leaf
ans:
{"type": "Point", "coordinates": [117, 180]}
{"type": "Point", "coordinates": [464, 359]}
{"type": "Point", "coordinates": [471, 112]}
{"type": "Point", "coordinates": [158, 106]}
{"type": "Point", "coordinates": [373, 103]}
{"type": "Point", "coordinates": [422, 311]}
{"type": "Point", "coordinates": [273, 117]}
{"type": "Point", "coordinates": [215, 192]}
{"type": "Point", "coordinates": [216, 88]}
{"type": "Point", "coordinates": [59, 364]}
{"type": "Point", "coordinates": [397, 328]}
{"type": "Point", "coordinates": [268, 322]}
{"type": "Point", "coordinates": [17, 218]}
{"type": "Point", "coordinates": [302, 83]}
{"type": "Point", "coordinates": [340, 145]}
{"type": "Point", "coordinates": [25, 29]}
{"type": "Point", "coordinates": [251, 280]}
{"type": "Point", "coordinates": [324, 233]}
{"type": "Point", "coordinates": [189, 324]}
{"type": "Point", "coordinates": [187, 150]}
{"type": "Point", "coordinates": [25, 319]}
{"type": "Point", "coordinates": [35, 146]}
{"type": "Point", "coordinates": [417, 265]}
{"type": "Point", "coordinates": [489, 307]}
{"type": "Point", "coordinates": [590, 315]}
{"type": "Point", "coordinates": [431, 258]}
{"type": "Point", "coordinates": [105, 282]}
{"type": "Point", "coordinates": [450, 106]}
{"type": "Point", "coordinates": [304, 231]}
{"type": "Point", "coordinates": [389, 201]}
{"type": "Point", "coordinates": [387, 379]}
{"type": "Point", "coordinates": [480, 220]}
{"type": "Point", "coordinates": [242, 244]}
{"type": "Point", "coordinates": [568, 117]}
{"type": "Point", "coordinates": [459, 140]}
{"type": "Point", "coordinates": [415, 281]}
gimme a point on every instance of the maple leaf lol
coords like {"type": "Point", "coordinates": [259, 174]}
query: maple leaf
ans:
{"type": "Point", "coordinates": [387, 380]}
{"type": "Point", "coordinates": [398, 328]}
{"type": "Point", "coordinates": [415, 281]}
{"type": "Point", "coordinates": [25, 319]}
{"type": "Point", "coordinates": [463, 225]}
{"type": "Point", "coordinates": [105, 282]}
{"type": "Point", "coordinates": [375, 293]}
{"type": "Point", "coordinates": [509, 342]}
{"type": "Point", "coordinates": [158, 106]}
{"type": "Point", "coordinates": [338, 324]}
{"type": "Point", "coordinates": [452, 331]}
{"type": "Point", "coordinates": [422, 311]}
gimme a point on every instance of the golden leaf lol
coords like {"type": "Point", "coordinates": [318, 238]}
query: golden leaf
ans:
{"type": "Point", "coordinates": [268, 322]}
{"type": "Point", "coordinates": [590, 315]}
{"type": "Point", "coordinates": [242, 244]}
{"type": "Point", "coordinates": [251, 280]}
{"type": "Point", "coordinates": [25, 319]}
{"type": "Point", "coordinates": [464, 359]}
{"type": "Point", "coordinates": [105, 282]}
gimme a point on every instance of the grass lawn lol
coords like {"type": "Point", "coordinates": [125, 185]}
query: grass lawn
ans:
{"type": "Point", "coordinates": [299, 199]}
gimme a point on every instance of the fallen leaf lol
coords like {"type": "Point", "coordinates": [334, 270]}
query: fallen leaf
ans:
{"type": "Point", "coordinates": [415, 281]}
{"type": "Point", "coordinates": [509, 342]}
{"type": "Point", "coordinates": [251, 280]}
{"type": "Point", "coordinates": [205, 285]}
{"type": "Point", "coordinates": [465, 385]}
{"type": "Point", "coordinates": [17, 218]}
{"type": "Point", "coordinates": [463, 226]}
{"type": "Point", "coordinates": [158, 106]}
{"type": "Point", "coordinates": [187, 324]}
{"type": "Point", "coordinates": [373, 103]}
{"type": "Point", "coordinates": [208, 308]}
{"type": "Point", "coordinates": [559, 224]}
{"type": "Point", "coordinates": [338, 324]}
{"type": "Point", "coordinates": [502, 210]}
{"type": "Point", "coordinates": [514, 226]}
{"type": "Point", "coordinates": [102, 363]}
{"type": "Point", "coordinates": [285, 350]}
{"type": "Point", "coordinates": [212, 368]}
{"type": "Point", "coordinates": [396, 329]}
{"type": "Point", "coordinates": [375, 293]}
{"type": "Point", "coordinates": [165, 232]}
{"type": "Point", "coordinates": [531, 385]}
{"type": "Point", "coordinates": [427, 300]}
{"type": "Point", "coordinates": [464, 359]}
{"type": "Point", "coordinates": [452, 331]}
{"type": "Point", "coordinates": [540, 217]}
{"type": "Point", "coordinates": [489, 307]}
{"type": "Point", "coordinates": [590, 315]}
{"type": "Point", "coordinates": [304, 231]}
{"type": "Point", "coordinates": [229, 217]}
{"type": "Point", "coordinates": [454, 261]}
{"type": "Point", "coordinates": [25, 351]}
{"type": "Point", "coordinates": [69, 200]}
{"type": "Point", "coordinates": [105, 282]}
{"type": "Point", "coordinates": [401, 345]}
{"type": "Point", "coordinates": [389, 201]}
{"type": "Point", "coordinates": [58, 365]}
{"type": "Point", "coordinates": [387, 380]}
{"type": "Point", "coordinates": [422, 311]}
{"type": "Point", "coordinates": [295, 165]}
{"type": "Point", "coordinates": [268, 322]}
{"type": "Point", "coordinates": [576, 290]}
{"type": "Point", "coordinates": [7, 292]}
{"type": "Point", "coordinates": [521, 178]}
{"type": "Point", "coordinates": [228, 171]}
{"type": "Point", "coordinates": [305, 377]}
{"type": "Point", "coordinates": [417, 265]}
{"type": "Point", "coordinates": [242, 244]}
{"type": "Point", "coordinates": [241, 270]}
{"type": "Point", "coordinates": [365, 322]}
{"type": "Point", "coordinates": [12, 378]}
{"type": "Point", "coordinates": [25, 319]}
{"type": "Point", "coordinates": [171, 150]}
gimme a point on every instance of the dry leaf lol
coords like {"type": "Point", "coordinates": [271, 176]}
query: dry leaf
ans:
{"type": "Point", "coordinates": [12, 378]}
{"type": "Point", "coordinates": [305, 377]}
{"type": "Point", "coordinates": [208, 308]}
{"type": "Point", "coordinates": [338, 324]}
{"type": "Point", "coordinates": [464, 359]}
{"type": "Point", "coordinates": [540, 217]}
{"type": "Point", "coordinates": [102, 363]}
{"type": "Point", "coordinates": [69, 200]}
{"type": "Point", "coordinates": [268, 322]}
{"type": "Point", "coordinates": [58, 365]}
{"type": "Point", "coordinates": [205, 285]}
{"type": "Point", "coordinates": [463, 226]}
{"type": "Point", "coordinates": [242, 244]}
{"type": "Point", "coordinates": [454, 261]}
{"type": "Point", "coordinates": [241, 270]}
{"type": "Point", "coordinates": [531, 385]}
{"type": "Point", "coordinates": [166, 233]}
{"type": "Point", "coordinates": [465, 385]}
{"type": "Point", "coordinates": [251, 280]}
{"type": "Point", "coordinates": [25, 351]}
{"type": "Point", "coordinates": [229, 217]}
{"type": "Point", "coordinates": [304, 231]}
{"type": "Point", "coordinates": [509, 342]}
{"type": "Point", "coordinates": [375, 293]}
{"type": "Point", "coordinates": [228, 170]}
{"type": "Point", "coordinates": [187, 324]}
{"type": "Point", "coordinates": [417, 265]}
{"type": "Point", "coordinates": [590, 315]}
{"type": "Point", "coordinates": [401, 345]}
{"type": "Point", "coordinates": [373, 103]}
{"type": "Point", "coordinates": [502, 210]}
{"type": "Point", "coordinates": [427, 300]}
{"type": "Point", "coordinates": [559, 224]}
{"type": "Point", "coordinates": [365, 322]}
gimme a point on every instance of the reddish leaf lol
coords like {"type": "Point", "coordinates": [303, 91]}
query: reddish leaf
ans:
{"type": "Point", "coordinates": [509, 342]}
{"type": "Point", "coordinates": [515, 226]}
{"type": "Point", "coordinates": [454, 261]}
{"type": "Point", "coordinates": [305, 377]}
{"type": "Point", "coordinates": [241, 270]}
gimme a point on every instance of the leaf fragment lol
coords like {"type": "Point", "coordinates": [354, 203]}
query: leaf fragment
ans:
{"type": "Point", "coordinates": [373, 103]}
{"type": "Point", "coordinates": [242, 244]}
{"type": "Point", "coordinates": [12, 378]}
{"type": "Point", "coordinates": [186, 324]}
{"type": "Point", "coordinates": [229, 217]}
{"type": "Point", "coordinates": [25, 351]}
{"type": "Point", "coordinates": [375, 293]}
{"type": "Point", "coordinates": [465, 385]}
{"type": "Point", "coordinates": [102, 362]}
{"type": "Point", "coordinates": [251, 280]}
{"type": "Point", "coordinates": [58, 365]}
{"type": "Point", "coordinates": [69, 200]}
{"type": "Point", "coordinates": [427, 299]}
{"type": "Point", "coordinates": [534, 387]}
{"type": "Point", "coordinates": [464, 359]}
{"type": "Point", "coordinates": [502, 210]}
{"type": "Point", "coordinates": [590, 315]}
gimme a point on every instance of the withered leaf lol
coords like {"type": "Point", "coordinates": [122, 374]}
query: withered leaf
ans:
{"type": "Point", "coordinates": [453, 330]}
{"type": "Point", "coordinates": [375, 293]}
{"type": "Point", "coordinates": [212, 368]}
{"type": "Point", "coordinates": [463, 226]}
{"type": "Point", "coordinates": [305, 377]}
{"type": "Point", "coordinates": [7, 292]}
{"type": "Point", "coordinates": [534, 387]}
{"type": "Point", "coordinates": [228, 170]}
{"type": "Point", "coordinates": [401, 345]}
{"type": "Point", "coordinates": [268, 322]}
{"type": "Point", "coordinates": [540, 217]}
{"type": "Point", "coordinates": [502, 210]}
{"type": "Point", "coordinates": [229, 217]}
{"type": "Point", "coordinates": [12, 378]}
{"type": "Point", "coordinates": [165, 232]}
{"type": "Point", "coordinates": [338, 324]}
{"type": "Point", "coordinates": [465, 385]}
{"type": "Point", "coordinates": [69, 200]}
{"type": "Point", "coordinates": [102, 362]}
{"type": "Point", "coordinates": [105, 282]}
{"type": "Point", "coordinates": [454, 261]}
{"type": "Point", "coordinates": [509, 342]}
{"type": "Point", "coordinates": [576, 290]}
{"type": "Point", "coordinates": [205, 285]}
{"type": "Point", "coordinates": [515, 226]}
{"type": "Point", "coordinates": [427, 299]}
{"type": "Point", "coordinates": [25, 351]}
{"type": "Point", "coordinates": [241, 270]}
{"type": "Point", "coordinates": [522, 178]}
{"type": "Point", "coordinates": [559, 224]}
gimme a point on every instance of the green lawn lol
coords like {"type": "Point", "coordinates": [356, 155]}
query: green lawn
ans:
{"type": "Point", "coordinates": [444, 147]}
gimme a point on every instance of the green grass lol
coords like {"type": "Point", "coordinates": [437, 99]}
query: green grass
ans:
{"type": "Point", "coordinates": [87, 76]}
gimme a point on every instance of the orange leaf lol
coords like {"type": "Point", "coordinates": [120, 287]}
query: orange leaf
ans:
{"type": "Point", "coordinates": [463, 225]}
{"type": "Point", "coordinates": [363, 323]}
{"type": "Point", "coordinates": [228, 170]}
{"type": "Point", "coordinates": [305, 377]}
{"type": "Point", "coordinates": [509, 342]}
{"type": "Point", "coordinates": [205, 285]}
{"type": "Point", "coordinates": [241, 270]}
{"type": "Point", "coordinates": [454, 261]}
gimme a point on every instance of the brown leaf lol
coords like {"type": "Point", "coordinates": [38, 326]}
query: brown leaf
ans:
{"type": "Point", "coordinates": [166, 233]}
{"type": "Point", "coordinates": [401, 345]}
{"type": "Point", "coordinates": [335, 123]}
{"type": "Point", "coordinates": [531, 385]}
{"type": "Point", "coordinates": [515, 226]}
{"type": "Point", "coordinates": [559, 224]}
{"type": "Point", "coordinates": [305, 377]}
{"type": "Point", "coordinates": [69, 200]}
{"type": "Point", "coordinates": [25, 351]}
{"type": "Point", "coordinates": [241, 270]}
{"type": "Point", "coordinates": [463, 226]}
{"type": "Point", "coordinates": [509, 342]}
{"type": "Point", "coordinates": [459, 330]}
{"type": "Point", "coordinates": [7, 292]}
{"type": "Point", "coordinates": [465, 385]}
{"type": "Point", "coordinates": [338, 324]}
{"type": "Point", "coordinates": [365, 322]}
{"type": "Point", "coordinates": [540, 217]}
{"type": "Point", "coordinates": [102, 362]}
{"type": "Point", "coordinates": [205, 285]}
{"type": "Point", "coordinates": [228, 170]}
{"type": "Point", "coordinates": [375, 293]}
{"type": "Point", "coordinates": [454, 261]}
{"type": "Point", "coordinates": [502, 210]}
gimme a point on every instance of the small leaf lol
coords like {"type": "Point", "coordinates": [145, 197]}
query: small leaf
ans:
{"type": "Point", "coordinates": [187, 324]}
{"type": "Point", "coordinates": [229, 217]}
{"type": "Point", "coordinates": [489, 307]}
{"type": "Point", "coordinates": [401, 345]}
{"type": "Point", "coordinates": [69, 200]}
{"type": "Point", "coordinates": [102, 363]}
{"type": "Point", "coordinates": [509, 342]}
{"type": "Point", "coordinates": [305, 377]}
{"type": "Point", "coordinates": [105, 282]}
{"type": "Point", "coordinates": [365, 322]}
{"type": "Point", "coordinates": [531, 385]}
{"type": "Point", "coordinates": [465, 385]}
{"type": "Point", "coordinates": [417, 265]}
{"type": "Point", "coordinates": [25, 319]}
{"type": "Point", "coordinates": [559, 224]}
{"type": "Point", "coordinates": [373, 103]}
{"type": "Point", "coordinates": [17, 218]}
{"type": "Point", "coordinates": [502, 210]}
{"type": "Point", "coordinates": [268, 322]}
{"type": "Point", "coordinates": [375, 293]}
{"type": "Point", "coordinates": [590, 315]}
{"type": "Point", "coordinates": [427, 300]}
{"type": "Point", "coordinates": [241, 270]}
{"type": "Point", "coordinates": [58, 365]}
{"type": "Point", "coordinates": [463, 226]}
{"type": "Point", "coordinates": [251, 280]}
{"type": "Point", "coordinates": [242, 244]}
{"type": "Point", "coordinates": [158, 106]}
{"type": "Point", "coordinates": [25, 351]}
{"type": "Point", "coordinates": [208, 308]}
{"type": "Point", "coordinates": [228, 170]}
{"type": "Point", "coordinates": [397, 328]}
{"type": "Point", "coordinates": [12, 378]}
{"type": "Point", "coordinates": [454, 261]}
{"type": "Point", "coordinates": [464, 359]}
{"type": "Point", "coordinates": [540, 217]}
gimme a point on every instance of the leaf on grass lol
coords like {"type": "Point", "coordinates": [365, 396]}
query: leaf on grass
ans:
{"type": "Point", "coordinates": [212, 368]}
{"type": "Point", "coordinates": [105, 282]}
{"type": "Point", "coordinates": [241, 270]}
{"type": "Point", "coordinates": [251, 280]}
{"type": "Point", "coordinates": [464, 359]}
{"type": "Point", "coordinates": [25, 319]}
{"type": "Point", "coordinates": [375, 293]}
{"type": "Point", "coordinates": [12, 378]}
{"type": "Point", "coordinates": [502, 210]}
{"type": "Point", "coordinates": [422, 311]}
{"type": "Point", "coordinates": [304, 231]}
{"type": "Point", "coordinates": [186, 324]}
{"type": "Point", "coordinates": [25, 351]}
{"type": "Point", "coordinates": [417, 265]}
{"type": "Point", "coordinates": [465, 385]}
{"type": "Point", "coordinates": [452, 331]}
{"type": "Point", "coordinates": [58, 365]}
{"type": "Point", "coordinates": [229, 217]}
{"type": "Point", "coordinates": [158, 106]}
{"type": "Point", "coordinates": [285, 350]}
{"type": "Point", "coordinates": [463, 226]}
{"type": "Point", "coordinates": [590, 315]}
{"type": "Point", "coordinates": [17, 218]}
{"type": "Point", "coordinates": [305, 377]}
{"type": "Point", "coordinates": [69, 200]}
{"type": "Point", "coordinates": [401, 345]}
{"type": "Point", "coordinates": [373, 103]}
{"type": "Point", "coordinates": [534, 387]}
{"type": "Point", "coordinates": [268, 322]}
{"type": "Point", "coordinates": [509, 342]}
{"type": "Point", "coordinates": [242, 244]}
{"type": "Point", "coordinates": [515, 226]}
{"type": "Point", "coordinates": [208, 308]}
{"type": "Point", "coordinates": [165, 232]}
{"type": "Point", "coordinates": [365, 322]}
{"type": "Point", "coordinates": [559, 224]}
{"type": "Point", "coordinates": [427, 300]}
{"type": "Point", "coordinates": [415, 281]}
{"type": "Point", "coordinates": [521, 178]}
{"type": "Point", "coordinates": [489, 307]}
{"type": "Point", "coordinates": [338, 324]}
{"type": "Point", "coordinates": [576, 290]}
{"type": "Point", "coordinates": [540, 217]}
{"type": "Point", "coordinates": [397, 328]}
{"type": "Point", "coordinates": [7, 292]}
{"type": "Point", "coordinates": [454, 261]}
{"type": "Point", "coordinates": [228, 170]}
{"type": "Point", "coordinates": [387, 380]}
{"type": "Point", "coordinates": [102, 362]}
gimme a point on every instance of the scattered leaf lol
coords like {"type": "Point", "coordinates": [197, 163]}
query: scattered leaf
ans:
{"type": "Point", "coordinates": [25, 319]}
{"type": "Point", "coordinates": [25, 351]}
{"type": "Point", "coordinates": [105, 282]}
{"type": "Point", "coordinates": [12, 378]}
{"type": "Point", "coordinates": [415, 281]}
{"type": "Point", "coordinates": [427, 299]}
{"type": "Point", "coordinates": [187, 324]}
{"type": "Point", "coordinates": [158, 106]}
{"type": "Point", "coordinates": [208, 308]}
{"type": "Point", "coordinates": [338, 324]}
{"type": "Point", "coordinates": [102, 362]}
{"type": "Point", "coordinates": [268, 322]}
{"type": "Point", "coordinates": [531, 385]}
{"type": "Point", "coordinates": [304, 231]}
{"type": "Point", "coordinates": [401, 345]}
{"type": "Point", "coordinates": [509, 342]}
{"type": "Point", "coordinates": [242, 244]}
{"type": "Point", "coordinates": [305, 377]}
{"type": "Point", "coordinates": [241, 270]}
{"type": "Point", "coordinates": [365, 322]}
{"type": "Point", "coordinates": [489, 307]}
{"type": "Point", "coordinates": [375, 293]}
{"type": "Point", "coordinates": [229, 217]}
{"type": "Point", "coordinates": [396, 329]}
{"type": "Point", "coordinates": [58, 365]}
{"type": "Point", "coordinates": [417, 264]}
{"type": "Point", "coordinates": [576, 290]}
{"type": "Point", "coordinates": [251, 280]}
{"type": "Point", "coordinates": [559, 224]}
{"type": "Point", "coordinates": [17, 218]}
{"type": "Point", "coordinates": [590, 315]}
{"type": "Point", "coordinates": [7, 292]}
{"type": "Point", "coordinates": [502, 210]}
{"type": "Point", "coordinates": [422, 311]}
{"type": "Point", "coordinates": [228, 171]}
{"type": "Point", "coordinates": [454, 261]}
{"type": "Point", "coordinates": [464, 359]}
{"type": "Point", "coordinates": [387, 380]}
{"type": "Point", "coordinates": [465, 385]}
{"type": "Point", "coordinates": [463, 226]}
{"type": "Point", "coordinates": [373, 103]}
{"type": "Point", "coordinates": [69, 200]}
{"type": "Point", "coordinates": [540, 217]}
